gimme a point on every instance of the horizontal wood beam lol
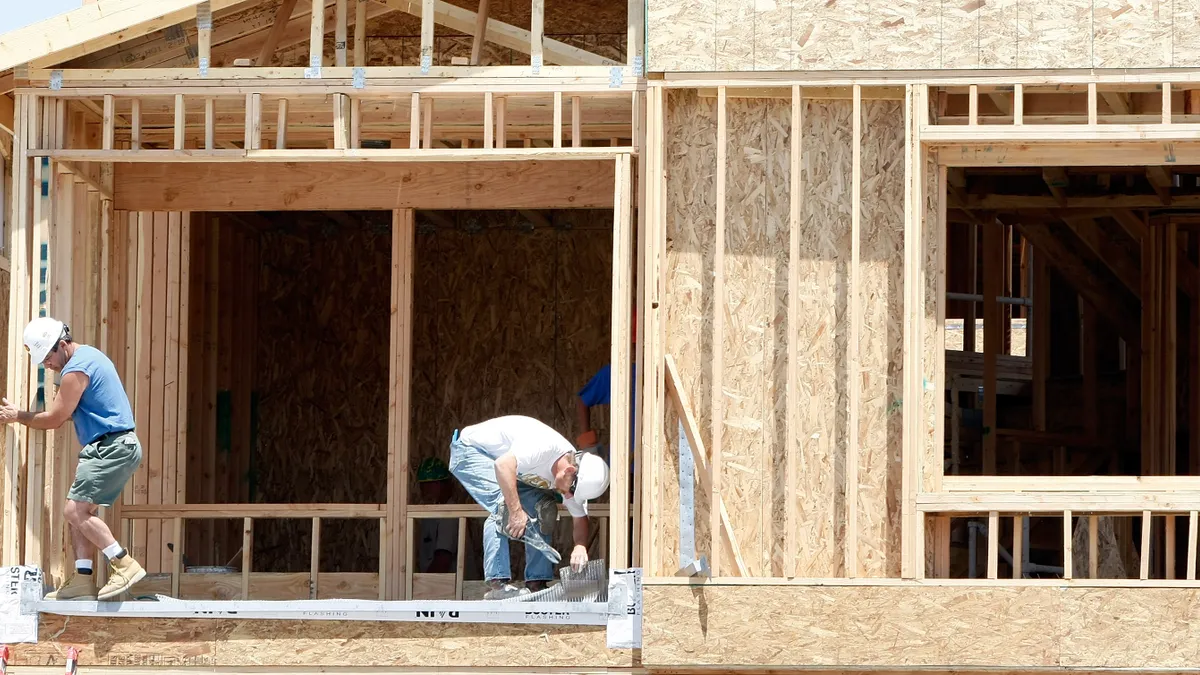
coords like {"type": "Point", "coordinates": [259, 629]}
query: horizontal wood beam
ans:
{"type": "Point", "coordinates": [239, 156]}
{"type": "Point", "coordinates": [135, 511]}
{"type": "Point", "coordinates": [428, 511]}
{"type": "Point", "coordinates": [1070, 483]}
{"type": "Point", "coordinates": [320, 186]}
{"type": "Point", "coordinates": [1000, 202]}
{"type": "Point", "coordinates": [941, 134]}
{"type": "Point", "coordinates": [1063, 153]}
{"type": "Point", "coordinates": [382, 80]}
{"type": "Point", "coordinates": [1089, 502]}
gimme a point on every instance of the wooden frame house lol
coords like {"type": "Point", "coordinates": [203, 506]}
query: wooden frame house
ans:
{"type": "Point", "coordinates": [901, 302]}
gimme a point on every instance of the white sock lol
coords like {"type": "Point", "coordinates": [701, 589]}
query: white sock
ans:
{"type": "Point", "coordinates": [113, 550]}
{"type": "Point", "coordinates": [83, 565]}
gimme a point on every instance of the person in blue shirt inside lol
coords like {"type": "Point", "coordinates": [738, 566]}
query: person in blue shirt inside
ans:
{"type": "Point", "coordinates": [598, 391]}
{"type": "Point", "coordinates": [91, 395]}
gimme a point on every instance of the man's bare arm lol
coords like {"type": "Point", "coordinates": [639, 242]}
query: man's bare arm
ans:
{"type": "Point", "coordinates": [64, 403]}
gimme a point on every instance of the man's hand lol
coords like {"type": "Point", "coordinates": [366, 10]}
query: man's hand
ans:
{"type": "Point", "coordinates": [579, 558]}
{"type": "Point", "coordinates": [8, 412]}
{"type": "Point", "coordinates": [517, 520]}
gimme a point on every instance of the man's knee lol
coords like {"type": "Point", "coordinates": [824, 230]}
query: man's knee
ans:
{"type": "Point", "coordinates": [77, 512]}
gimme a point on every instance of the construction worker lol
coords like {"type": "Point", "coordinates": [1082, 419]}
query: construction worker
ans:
{"type": "Point", "coordinates": [598, 391]}
{"type": "Point", "coordinates": [521, 463]}
{"type": "Point", "coordinates": [91, 395]}
{"type": "Point", "coordinates": [439, 536]}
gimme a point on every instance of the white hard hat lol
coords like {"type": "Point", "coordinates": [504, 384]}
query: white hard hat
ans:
{"type": "Point", "coordinates": [592, 478]}
{"type": "Point", "coordinates": [40, 337]}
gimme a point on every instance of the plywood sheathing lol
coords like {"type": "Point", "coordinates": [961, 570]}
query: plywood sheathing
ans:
{"type": "Point", "coordinates": [1134, 34]}
{"type": "Point", "coordinates": [305, 644]}
{"type": "Point", "coordinates": [755, 347]}
{"type": "Point", "coordinates": [920, 627]}
{"type": "Point", "coordinates": [691, 161]}
{"type": "Point", "coordinates": [1185, 39]}
{"type": "Point", "coordinates": [322, 319]}
{"type": "Point", "coordinates": [510, 318]}
{"type": "Point", "coordinates": [750, 35]}
{"type": "Point", "coordinates": [680, 35]}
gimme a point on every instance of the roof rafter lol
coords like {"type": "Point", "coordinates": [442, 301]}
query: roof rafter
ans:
{"type": "Point", "coordinates": [94, 27]}
{"type": "Point", "coordinates": [503, 34]}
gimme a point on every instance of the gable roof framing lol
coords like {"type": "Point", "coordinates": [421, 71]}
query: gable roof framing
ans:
{"type": "Point", "coordinates": [93, 27]}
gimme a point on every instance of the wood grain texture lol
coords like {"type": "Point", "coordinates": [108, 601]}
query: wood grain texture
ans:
{"type": "Point", "coordinates": [300, 187]}
{"type": "Point", "coordinates": [225, 643]}
{"type": "Point", "coordinates": [919, 627]}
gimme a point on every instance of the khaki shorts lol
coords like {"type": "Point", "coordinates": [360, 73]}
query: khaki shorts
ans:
{"type": "Point", "coordinates": [104, 468]}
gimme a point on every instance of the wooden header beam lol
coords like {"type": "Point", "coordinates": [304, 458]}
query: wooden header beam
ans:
{"type": "Point", "coordinates": [310, 186]}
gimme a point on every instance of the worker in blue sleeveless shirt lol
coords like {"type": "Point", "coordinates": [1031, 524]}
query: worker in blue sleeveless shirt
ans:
{"type": "Point", "coordinates": [91, 395]}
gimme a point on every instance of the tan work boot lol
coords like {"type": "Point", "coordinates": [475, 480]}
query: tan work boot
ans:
{"type": "Point", "coordinates": [125, 573]}
{"type": "Point", "coordinates": [75, 587]}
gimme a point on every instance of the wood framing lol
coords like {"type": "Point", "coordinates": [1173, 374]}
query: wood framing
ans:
{"type": "Point", "coordinates": [239, 187]}
{"type": "Point", "coordinates": [788, 217]}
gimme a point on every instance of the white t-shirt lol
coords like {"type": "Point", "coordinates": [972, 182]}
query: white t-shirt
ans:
{"type": "Point", "coordinates": [535, 445]}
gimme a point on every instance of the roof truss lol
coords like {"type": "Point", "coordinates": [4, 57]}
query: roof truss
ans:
{"type": "Point", "coordinates": [94, 27]}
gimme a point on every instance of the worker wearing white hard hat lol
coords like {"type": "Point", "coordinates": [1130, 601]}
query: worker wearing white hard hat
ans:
{"type": "Point", "coordinates": [90, 394]}
{"type": "Point", "coordinates": [517, 464]}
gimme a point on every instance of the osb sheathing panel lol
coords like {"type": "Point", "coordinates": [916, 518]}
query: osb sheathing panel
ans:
{"type": "Point", "coordinates": [680, 35]}
{"type": "Point", "coordinates": [754, 372]}
{"type": "Point", "coordinates": [997, 34]}
{"type": "Point", "coordinates": [1132, 34]}
{"type": "Point", "coordinates": [691, 164]}
{"type": "Point", "coordinates": [830, 35]}
{"type": "Point", "coordinates": [1185, 25]}
{"type": "Point", "coordinates": [933, 361]}
{"type": "Point", "coordinates": [823, 331]}
{"type": "Point", "coordinates": [905, 32]}
{"type": "Point", "coordinates": [739, 35]}
{"type": "Point", "coordinates": [882, 344]}
{"type": "Point", "coordinates": [913, 627]}
{"type": "Point", "coordinates": [343, 644]}
{"type": "Point", "coordinates": [1054, 35]}
{"type": "Point", "coordinates": [510, 320]}
{"type": "Point", "coordinates": [756, 299]}
{"type": "Point", "coordinates": [322, 415]}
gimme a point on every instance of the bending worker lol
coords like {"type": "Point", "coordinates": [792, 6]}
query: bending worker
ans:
{"type": "Point", "coordinates": [491, 458]}
{"type": "Point", "coordinates": [91, 395]}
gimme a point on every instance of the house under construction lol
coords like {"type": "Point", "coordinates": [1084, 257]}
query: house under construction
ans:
{"type": "Point", "coordinates": [915, 380]}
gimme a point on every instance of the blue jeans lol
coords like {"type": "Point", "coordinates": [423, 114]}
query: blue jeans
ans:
{"type": "Point", "coordinates": [477, 473]}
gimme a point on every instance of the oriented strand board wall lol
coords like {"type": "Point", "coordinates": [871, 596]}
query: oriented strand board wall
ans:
{"type": "Point", "coordinates": [748, 35]}
{"type": "Point", "coordinates": [917, 626]}
{"type": "Point", "coordinates": [509, 319]}
{"type": "Point", "coordinates": [756, 308]}
{"type": "Point", "coordinates": [254, 644]}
